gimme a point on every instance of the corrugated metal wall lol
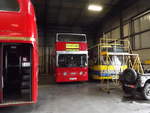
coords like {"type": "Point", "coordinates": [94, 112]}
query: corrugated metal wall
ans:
{"type": "Point", "coordinates": [45, 59]}
{"type": "Point", "coordinates": [136, 27]}
{"type": "Point", "coordinates": [46, 65]}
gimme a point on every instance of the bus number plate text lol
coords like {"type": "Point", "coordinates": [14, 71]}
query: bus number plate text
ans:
{"type": "Point", "coordinates": [72, 78]}
{"type": "Point", "coordinates": [74, 46]}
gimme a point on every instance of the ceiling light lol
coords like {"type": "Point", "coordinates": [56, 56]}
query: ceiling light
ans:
{"type": "Point", "coordinates": [95, 8]}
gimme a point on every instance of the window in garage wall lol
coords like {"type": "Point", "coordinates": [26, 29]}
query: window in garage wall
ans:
{"type": "Point", "coordinates": [145, 39]}
{"type": "Point", "coordinates": [145, 22]}
{"type": "Point", "coordinates": [126, 30]}
{"type": "Point", "coordinates": [108, 35]}
{"type": "Point", "coordinates": [142, 23]}
{"type": "Point", "coordinates": [136, 29]}
{"type": "Point", "coordinates": [113, 33]}
{"type": "Point", "coordinates": [142, 40]}
{"type": "Point", "coordinates": [116, 33]}
{"type": "Point", "coordinates": [141, 33]}
{"type": "Point", "coordinates": [137, 42]}
{"type": "Point", "coordinates": [136, 24]}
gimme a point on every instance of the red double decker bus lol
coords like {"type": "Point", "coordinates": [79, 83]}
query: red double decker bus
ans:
{"type": "Point", "coordinates": [71, 57]}
{"type": "Point", "coordinates": [18, 53]}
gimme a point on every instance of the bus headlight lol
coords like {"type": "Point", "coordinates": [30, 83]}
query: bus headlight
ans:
{"type": "Point", "coordinates": [65, 73]}
{"type": "Point", "coordinates": [81, 73]}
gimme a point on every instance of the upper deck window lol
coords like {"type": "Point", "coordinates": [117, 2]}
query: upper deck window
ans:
{"type": "Point", "coordinates": [9, 5]}
{"type": "Point", "coordinates": [71, 38]}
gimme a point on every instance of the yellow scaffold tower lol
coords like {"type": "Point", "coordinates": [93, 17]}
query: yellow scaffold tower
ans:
{"type": "Point", "coordinates": [109, 58]}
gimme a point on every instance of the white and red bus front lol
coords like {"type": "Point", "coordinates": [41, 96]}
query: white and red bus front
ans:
{"type": "Point", "coordinates": [71, 58]}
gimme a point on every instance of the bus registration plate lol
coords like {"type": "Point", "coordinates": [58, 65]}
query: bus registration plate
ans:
{"type": "Point", "coordinates": [73, 78]}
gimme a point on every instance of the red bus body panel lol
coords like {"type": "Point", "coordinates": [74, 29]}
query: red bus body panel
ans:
{"type": "Point", "coordinates": [73, 74]}
{"type": "Point", "coordinates": [20, 27]}
{"type": "Point", "coordinates": [61, 46]}
{"type": "Point", "coordinates": [18, 24]}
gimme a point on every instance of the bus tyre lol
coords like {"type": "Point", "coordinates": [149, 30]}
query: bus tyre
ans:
{"type": "Point", "coordinates": [146, 91]}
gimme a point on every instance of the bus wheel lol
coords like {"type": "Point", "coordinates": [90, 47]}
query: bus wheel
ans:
{"type": "Point", "coordinates": [146, 91]}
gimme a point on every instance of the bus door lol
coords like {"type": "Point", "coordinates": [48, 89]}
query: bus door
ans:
{"type": "Point", "coordinates": [12, 69]}
{"type": "Point", "coordinates": [17, 72]}
{"type": "Point", "coordinates": [1, 73]}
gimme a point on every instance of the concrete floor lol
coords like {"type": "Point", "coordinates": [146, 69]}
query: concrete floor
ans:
{"type": "Point", "coordinates": [80, 98]}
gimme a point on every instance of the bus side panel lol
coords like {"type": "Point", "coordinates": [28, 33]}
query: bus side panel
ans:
{"type": "Point", "coordinates": [33, 32]}
{"type": "Point", "coordinates": [34, 74]}
{"type": "Point", "coordinates": [71, 74]}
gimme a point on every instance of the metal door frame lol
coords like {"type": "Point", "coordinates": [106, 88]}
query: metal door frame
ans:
{"type": "Point", "coordinates": [1, 73]}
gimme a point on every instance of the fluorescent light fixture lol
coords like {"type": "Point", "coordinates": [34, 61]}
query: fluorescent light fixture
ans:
{"type": "Point", "coordinates": [95, 8]}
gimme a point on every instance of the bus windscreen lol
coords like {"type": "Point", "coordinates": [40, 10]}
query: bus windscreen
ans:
{"type": "Point", "coordinates": [72, 60]}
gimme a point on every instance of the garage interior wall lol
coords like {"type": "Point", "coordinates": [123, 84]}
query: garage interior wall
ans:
{"type": "Point", "coordinates": [47, 35]}
{"type": "Point", "coordinates": [136, 27]}
{"type": "Point", "coordinates": [133, 22]}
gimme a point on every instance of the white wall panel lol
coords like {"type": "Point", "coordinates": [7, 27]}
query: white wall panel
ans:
{"type": "Point", "coordinates": [144, 54]}
{"type": "Point", "coordinates": [116, 33]}
{"type": "Point", "coordinates": [137, 42]}
{"type": "Point", "coordinates": [126, 30]}
{"type": "Point", "coordinates": [145, 22]}
{"type": "Point", "coordinates": [145, 39]}
{"type": "Point", "coordinates": [108, 35]}
{"type": "Point", "coordinates": [136, 25]}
